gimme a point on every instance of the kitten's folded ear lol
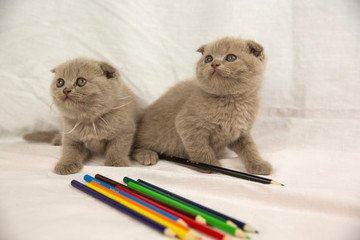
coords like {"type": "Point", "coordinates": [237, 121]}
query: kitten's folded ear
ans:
{"type": "Point", "coordinates": [109, 71]}
{"type": "Point", "coordinates": [201, 49]}
{"type": "Point", "coordinates": [256, 49]}
{"type": "Point", "coordinates": [53, 70]}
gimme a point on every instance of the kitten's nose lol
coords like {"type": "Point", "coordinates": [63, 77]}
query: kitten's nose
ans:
{"type": "Point", "coordinates": [215, 64]}
{"type": "Point", "coordinates": [66, 91]}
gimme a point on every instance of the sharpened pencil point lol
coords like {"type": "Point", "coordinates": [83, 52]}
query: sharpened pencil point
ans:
{"type": "Point", "coordinates": [182, 222]}
{"type": "Point", "coordinates": [200, 219]}
{"type": "Point", "coordinates": [229, 222]}
{"type": "Point", "coordinates": [276, 183]}
{"type": "Point", "coordinates": [227, 238]}
{"type": "Point", "coordinates": [240, 234]}
{"type": "Point", "coordinates": [169, 233]}
{"type": "Point", "coordinates": [247, 228]}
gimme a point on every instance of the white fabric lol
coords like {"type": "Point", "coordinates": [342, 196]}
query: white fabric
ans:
{"type": "Point", "coordinates": [308, 127]}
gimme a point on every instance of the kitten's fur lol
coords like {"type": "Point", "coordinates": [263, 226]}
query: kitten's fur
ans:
{"type": "Point", "coordinates": [99, 117]}
{"type": "Point", "coordinates": [197, 118]}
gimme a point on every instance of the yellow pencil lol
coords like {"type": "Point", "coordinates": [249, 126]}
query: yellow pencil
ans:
{"type": "Point", "coordinates": [185, 234]}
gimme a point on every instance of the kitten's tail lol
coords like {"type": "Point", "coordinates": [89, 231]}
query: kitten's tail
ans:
{"type": "Point", "coordinates": [53, 137]}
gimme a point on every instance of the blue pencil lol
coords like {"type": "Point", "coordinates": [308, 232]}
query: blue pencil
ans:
{"type": "Point", "coordinates": [238, 223]}
{"type": "Point", "coordinates": [88, 178]}
{"type": "Point", "coordinates": [162, 229]}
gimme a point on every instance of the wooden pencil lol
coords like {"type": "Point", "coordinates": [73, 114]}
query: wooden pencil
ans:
{"type": "Point", "coordinates": [160, 228]}
{"type": "Point", "coordinates": [133, 199]}
{"type": "Point", "coordinates": [211, 220]}
{"type": "Point", "coordinates": [191, 215]}
{"type": "Point", "coordinates": [200, 227]}
{"type": "Point", "coordinates": [179, 230]}
{"type": "Point", "coordinates": [225, 171]}
{"type": "Point", "coordinates": [238, 223]}
{"type": "Point", "coordinates": [187, 203]}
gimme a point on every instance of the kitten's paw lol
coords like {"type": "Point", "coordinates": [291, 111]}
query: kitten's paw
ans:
{"type": "Point", "coordinates": [67, 168]}
{"type": "Point", "coordinates": [146, 157]}
{"type": "Point", "coordinates": [259, 168]}
{"type": "Point", "coordinates": [124, 162]}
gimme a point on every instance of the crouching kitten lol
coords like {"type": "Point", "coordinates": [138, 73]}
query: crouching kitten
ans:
{"type": "Point", "coordinates": [97, 111]}
{"type": "Point", "coordinates": [197, 118]}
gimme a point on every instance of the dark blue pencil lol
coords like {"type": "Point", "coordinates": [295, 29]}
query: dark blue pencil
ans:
{"type": "Point", "coordinates": [164, 230]}
{"type": "Point", "coordinates": [238, 223]}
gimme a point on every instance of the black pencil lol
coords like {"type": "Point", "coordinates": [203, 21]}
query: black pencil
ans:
{"type": "Point", "coordinates": [225, 171]}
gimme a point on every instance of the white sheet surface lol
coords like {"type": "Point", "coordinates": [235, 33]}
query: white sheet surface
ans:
{"type": "Point", "coordinates": [308, 127]}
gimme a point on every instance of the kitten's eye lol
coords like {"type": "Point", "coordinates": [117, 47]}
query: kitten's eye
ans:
{"type": "Point", "coordinates": [60, 82]}
{"type": "Point", "coordinates": [208, 59]}
{"type": "Point", "coordinates": [81, 82]}
{"type": "Point", "coordinates": [231, 58]}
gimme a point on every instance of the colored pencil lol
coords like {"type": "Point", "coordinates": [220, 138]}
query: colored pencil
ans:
{"type": "Point", "coordinates": [240, 224]}
{"type": "Point", "coordinates": [210, 232]}
{"type": "Point", "coordinates": [225, 171]}
{"type": "Point", "coordinates": [126, 196]}
{"type": "Point", "coordinates": [186, 203]}
{"type": "Point", "coordinates": [132, 204]}
{"type": "Point", "coordinates": [211, 220]}
{"type": "Point", "coordinates": [188, 214]}
{"type": "Point", "coordinates": [176, 227]}
{"type": "Point", "coordinates": [162, 229]}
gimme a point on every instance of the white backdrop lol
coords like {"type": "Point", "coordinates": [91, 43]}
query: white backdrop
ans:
{"type": "Point", "coordinates": [308, 126]}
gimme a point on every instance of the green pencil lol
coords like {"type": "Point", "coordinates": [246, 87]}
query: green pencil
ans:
{"type": "Point", "coordinates": [126, 180]}
{"type": "Point", "coordinates": [211, 220]}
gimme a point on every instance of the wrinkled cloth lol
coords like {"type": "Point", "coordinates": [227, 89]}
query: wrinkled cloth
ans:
{"type": "Point", "coordinates": [308, 127]}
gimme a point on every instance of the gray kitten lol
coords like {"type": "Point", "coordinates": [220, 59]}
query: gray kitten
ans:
{"type": "Point", "coordinates": [197, 118]}
{"type": "Point", "coordinates": [98, 114]}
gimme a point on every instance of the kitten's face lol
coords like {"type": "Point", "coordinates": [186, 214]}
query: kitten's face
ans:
{"type": "Point", "coordinates": [230, 66]}
{"type": "Point", "coordinates": [81, 87]}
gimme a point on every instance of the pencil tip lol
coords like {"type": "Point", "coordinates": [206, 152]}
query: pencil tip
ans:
{"type": "Point", "coordinates": [226, 238]}
{"type": "Point", "coordinates": [249, 229]}
{"type": "Point", "coordinates": [276, 183]}
{"type": "Point", "coordinates": [200, 219]}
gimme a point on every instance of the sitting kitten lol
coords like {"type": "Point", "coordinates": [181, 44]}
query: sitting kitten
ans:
{"type": "Point", "coordinates": [98, 114]}
{"type": "Point", "coordinates": [197, 118]}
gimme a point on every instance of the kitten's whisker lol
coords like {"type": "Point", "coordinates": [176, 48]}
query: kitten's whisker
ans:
{"type": "Point", "coordinates": [94, 128]}
{"type": "Point", "coordinates": [104, 121]}
{"type": "Point", "coordinates": [124, 97]}
{"type": "Point", "coordinates": [122, 105]}
{"type": "Point", "coordinates": [76, 124]}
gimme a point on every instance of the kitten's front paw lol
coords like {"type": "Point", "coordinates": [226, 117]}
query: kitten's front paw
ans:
{"type": "Point", "coordinates": [146, 157]}
{"type": "Point", "coordinates": [259, 167]}
{"type": "Point", "coordinates": [67, 168]}
{"type": "Point", "coordinates": [124, 162]}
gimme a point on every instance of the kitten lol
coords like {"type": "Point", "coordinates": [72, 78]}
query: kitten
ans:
{"type": "Point", "coordinates": [197, 118]}
{"type": "Point", "coordinates": [98, 114]}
